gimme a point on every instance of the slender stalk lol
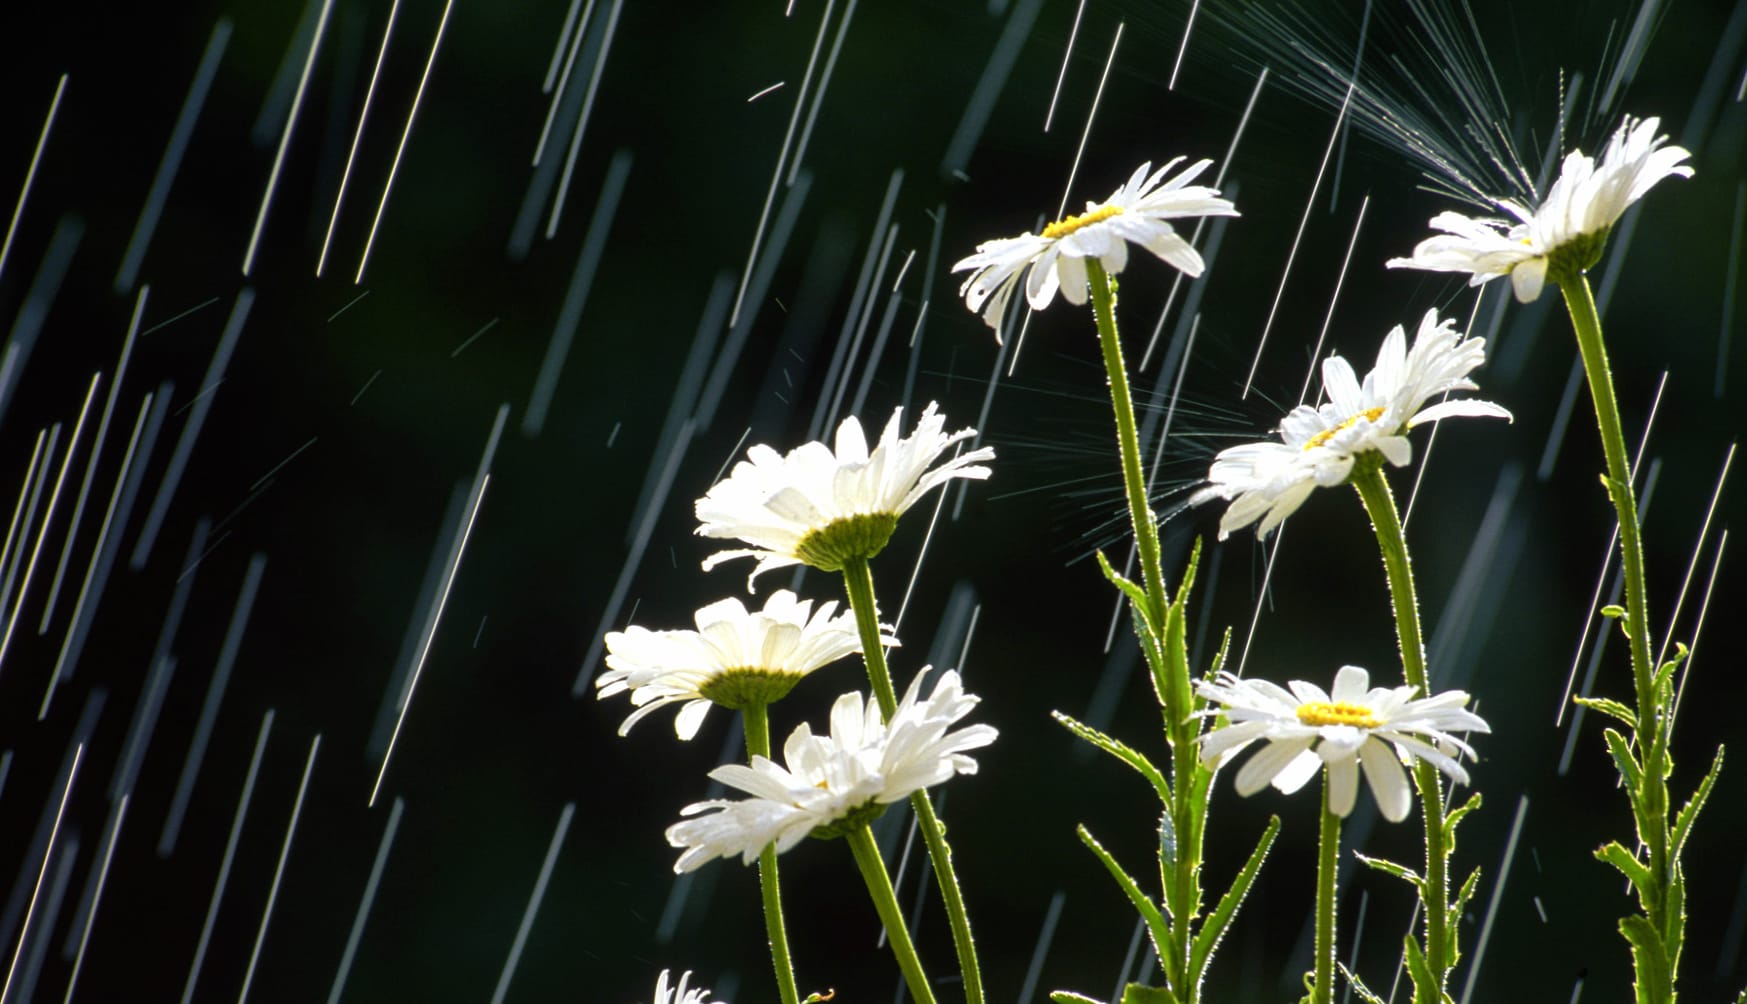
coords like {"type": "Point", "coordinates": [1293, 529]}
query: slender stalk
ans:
{"type": "Point", "coordinates": [879, 886]}
{"type": "Point", "coordinates": [758, 744]}
{"type": "Point", "coordinates": [1650, 804]}
{"type": "Point", "coordinates": [1379, 503]}
{"type": "Point", "coordinates": [858, 582]}
{"type": "Point", "coordinates": [1327, 864]}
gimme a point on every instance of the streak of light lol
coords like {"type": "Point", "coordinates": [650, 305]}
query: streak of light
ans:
{"type": "Point", "coordinates": [65, 857]}
{"type": "Point", "coordinates": [42, 140]}
{"type": "Point", "coordinates": [740, 326]}
{"type": "Point", "coordinates": [24, 932]}
{"type": "Point", "coordinates": [1626, 67]}
{"type": "Point", "coordinates": [83, 727]}
{"type": "Point", "coordinates": [1188, 26]}
{"type": "Point", "coordinates": [819, 94]}
{"type": "Point", "coordinates": [1062, 74]}
{"type": "Point", "coordinates": [767, 90]}
{"type": "Point", "coordinates": [640, 544]}
{"type": "Point", "coordinates": [5, 768]}
{"type": "Point", "coordinates": [188, 569]}
{"type": "Point", "coordinates": [1243, 656]}
{"type": "Point", "coordinates": [685, 392]}
{"type": "Point", "coordinates": [581, 281]}
{"type": "Point", "coordinates": [1128, 958]}
{"type": "Point", "coordinates": [563, 83]}
{"type": "Point", "coordinates": [349, 304]}
{"type": "Point", "coordinates": [145, 720]}
{"type": "Point", "coordinates": [171, 162]}
{"type": "Point", "coordinates": [405, 135]}
{"type": "Point", "coordinates": [1516, 829]}
{"type": "Point", "coordinates": [873, 266]}
{"type": "Point", "coordinates": [1432, 440]}
{"type": "Point", "coordinates": [1540, 909]}
{"type": "Point", "coordinates": [364, 388]}
{"type": "Point", "coordinates": [1732, 933]}
{"type": "Point", "coordinates": [874, 354]}
{"type": "Point", "coordinates": [357, 139]}
{"type": "Point", "coordinates": [279, 869]}
{"type": "Point", "coordinates": [515, 956]}
{"type": "Point", "coordinates": [1045, 935]}
{"type": "Point", "coordinates": [263, 479]}
{"type": "Point", "coordinates": [1298, 237]}
{"type": "Point", "coordinates": [903, 270]}
{"type": "Point", "coordinates": [594, 82]}
{"type": "Point", "coordinates": [777, 172]}
{"type": "Point", "coordinates": [1074, 169]}
{"type": "Point", "coordinates": [127, 482]}
{"type": "Point", "coordinates": [215, 688]}
{"type": "Point", "coordinates": [321, 26]}
{"type": "Point", "coordinates": [1334, 298]}
{"type": "Point", "coordinates": [1178, 278]}
{"type": "Point", "coordinates": [202, 305]}
{"type": "Point", "coordinates": [732, 453]}
{"type": "Point", "coordinates": [230, 853]}
{"type": "Point", "coordinates": [1334, 189]}
{"type": "Point", "coordinates": [557, 55]}
{"type": "Point", "coordinates": [988, 404]}
{"type": "Point", "coordinates": [1474, 582]}
{"type": "Point", "coordinates": [1704, 608]}
{"type": "Point", "coordinates": [474, 337]}
{"type": "Point", "coordinates": [369, 898]}
{"type": "Point", "coordinates": [133, 327]}
{"type": "Point", "coordinates": [34, 311]}
{"type": "Point", "coordinates": [1358, 939]}
{"type": "Point", "coordinates": [681, 892]}
{"type": "Point", "coordinates": [1731, 279]}
{"type": "Point", "coordinates": [1697, 546]}
{"type": "Point", "coordinates": [1561, 420]}
{"type": "Point", "coordinates": [481, 632]}
{"type": "Point", "coordinates": [989, 86]}
{"type": "Point", "coordinates": [91, 915]}
{"type": "Point", "coordinates": [178, 464]}
{"type": "Point", "coordinates": [430, 635]}
{"type": "Point", "coordinates": [7, 557]}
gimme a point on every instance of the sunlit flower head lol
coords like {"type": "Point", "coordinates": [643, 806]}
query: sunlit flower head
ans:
{"type": "Point", "coordinates": [1268, 481]}
{"type": "Point", "coordinates": [1351, 728]}
{"type": "Point", "coordinates": [735, 658]}
{"type": "Point", "coordinates": [823, 507]}
{"type": "Point", "coordinates": [1567, 231]}
{"type": "Point", "coordinates": [1135, 213]}
{"type": "Point", "coordinates": [679, 994]}
{"type": "Point", "coordinates": [830, 785]}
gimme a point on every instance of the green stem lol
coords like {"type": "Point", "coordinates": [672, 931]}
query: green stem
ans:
{"type": "Point", "coordinates": [858, 582]}
{"type": "Point", "coordinates": [1379, 503]}
{"type": "Point", "coordinates": [757, 720]}
{"type": "Point", "coordinates": [879, 886]}
{"type": "Point", "coordinates": [1327, 864]}
{"type": "Point", "coordinates": [1651, 803]}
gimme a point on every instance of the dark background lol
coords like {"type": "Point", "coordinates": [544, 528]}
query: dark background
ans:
{"type": "Point", "coordinates": [400, 405]}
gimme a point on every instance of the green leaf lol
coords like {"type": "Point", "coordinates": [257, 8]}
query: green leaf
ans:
{"type": "Point", "coordinates": [1155, 921]}
{"type": "Point", "coordinates": [1614, 853]}
{"type": "Point", "coordinates": [1653, 979]}
{"type": "Point", "coordinates": [1069, 997]}
{"type": "Point", "coordinates": [1613, 611]}
{"type": "Point", "coordinates": [1453, 919]}
{"type": "Point", "coordinates": [1401, 872]}
{"type": "Point", "coordinates": [1218, 662]}
{"type": "Point", "coordinates": [1455, 817]}
{"type": "Point", "coordinates": [1120, 750]}
{"type": "Point", "coordinates": [1167, 843]}
{"type": "Point", "coordinates": [1189, 570]}
{"type": "Point", "coordinates": [1213, 929]}
{"type": "Point", "coordinates": [1358, 986]}
{"type": "Point", "coordinates": [1136, 993]}
{"type": "Point", "coordinates": [1683, 822]}
{"type": "Point", "coordinates": [1425, 985]}
{"type": "Point", "coordinates": [1625, 761]}
{"type": "Point", "coordinates": [1131, 589]}
{"type": "Point", "coordinates": [1611, 708]}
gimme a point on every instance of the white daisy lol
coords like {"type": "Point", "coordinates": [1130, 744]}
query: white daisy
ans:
{"type": "Point", "coordinates": [679, 994]}
{"type": "Point", "coordinates": [1268, 481]}
{"type": "Point", "coordinates": [1135, 212]}
{"type": "Point", "coordinates": [1568, 229]}
{"type": "Point", "coordinates": [832, 784]}
{"type": "Point", "coordinates": [734, 658]}
{"type": "Point", "coordinates": [1351, 728]}
{"type": "Point", "coordinates": [824, 507]}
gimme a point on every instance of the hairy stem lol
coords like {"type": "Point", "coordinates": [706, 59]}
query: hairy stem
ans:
{"type": "Point", "coordinates": [758, 744]}
{"type": "Point", "coordinates": [879, 886]}
{"type": "Point", "coordinates": [1328, 855]}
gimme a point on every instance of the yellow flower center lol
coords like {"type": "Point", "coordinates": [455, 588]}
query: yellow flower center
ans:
{"type": "Point", "coordinates": [1067, 225]}
{"type": "Point", "coordinates": [1318, 713]}
{"type": "Point", "coordinates": [1371, 414]}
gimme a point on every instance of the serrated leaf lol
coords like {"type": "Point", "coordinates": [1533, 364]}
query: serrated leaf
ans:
{"type": "Point", "coordinates": [1136, 993]}
{"type": "Point", "coordinates": [1358, 986]}
{"type": "Point", "coordinates": [1213, 929]}
{"type": "Point", "coordinates": [1218, 662]}
{"type": "Point", "coordinates": [1069, 997]}
{"type": "Point", "coordinates": [1120, 750]}
{"type": "Point", "coordinates": [1683, 822]}
{"type": "Point", "coordinates": [1455, 816]}
{"type": "Point", "coordinates": [1453, 919]}
{"type": "Point", "coordinates": [1387, 867]}
{"type": "Point", "coordinates": [1155, 920]}
{"type": "Point", "coordinates": [1167, 840]}
{"type": "Point", "coordinates": [1614, 853]}
{"type": "Point", "coordinates": [1613, 611]}
{"type": "Point", "coordinates": [1652, 978]}
{"type": "Point", "coordinates": [1136, 595]}
{"type": "Point", "coordinates": [1625, 761]}
{"type": "Point", "coordinates": [1611, 708]}
{"type": "Point", "coordinates": [1425, 985]}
